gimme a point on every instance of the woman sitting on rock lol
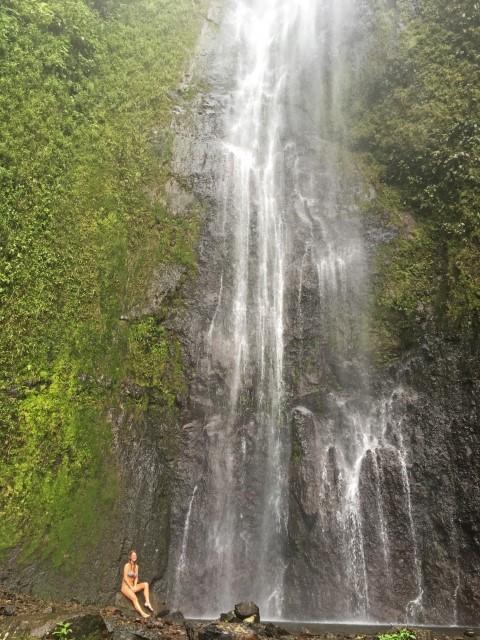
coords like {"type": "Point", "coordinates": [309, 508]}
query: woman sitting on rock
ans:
{"type": "Point", "coordinates": [131, 586]}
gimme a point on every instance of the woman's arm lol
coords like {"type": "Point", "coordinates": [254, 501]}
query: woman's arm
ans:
{"type": "Point", "coordinates": [135, 580]}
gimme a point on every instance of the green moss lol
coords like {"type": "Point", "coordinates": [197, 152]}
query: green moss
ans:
{"type": "Point", "coordinates": [155, 359]}
{"type": "Point", "coordinates": [414, 128]}
{"type": "Point", "coordinates": [85, 112]}
{"type": "Point", "coordinates": [59, 479]}
{"type": "Point", "coordinates": [296, 454]}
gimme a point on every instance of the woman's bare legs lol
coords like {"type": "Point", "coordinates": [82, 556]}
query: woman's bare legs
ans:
{"type": "Point", "coordinates": [131, 596]}
{"type": "Point", "coordinates": [146, 593]}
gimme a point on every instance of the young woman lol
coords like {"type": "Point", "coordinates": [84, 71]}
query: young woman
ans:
{"type": "Point", "coordinates": [131, 586]}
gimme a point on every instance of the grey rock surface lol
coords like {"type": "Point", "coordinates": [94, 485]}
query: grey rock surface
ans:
{"type": "Point", "coordinates": [37, 625]}
{"type": "Point", "coordinates": [414, 533]}
{"type": "Point", "coordinates": [214, 632]}
{"type": "Point", "coordinates": [164, 281]}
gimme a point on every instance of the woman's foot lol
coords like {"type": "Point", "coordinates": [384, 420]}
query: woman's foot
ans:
{"type": "Point", "coordinates": [145, 616]}
{"type": "Point", "coordinates": [148, 606]}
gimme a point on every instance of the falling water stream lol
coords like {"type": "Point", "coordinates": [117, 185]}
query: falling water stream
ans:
{"type": "Point", "coordinates": [293, 504]}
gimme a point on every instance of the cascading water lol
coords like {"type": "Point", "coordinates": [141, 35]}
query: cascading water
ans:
{"type": "Point", "coordinates": [300, 496]}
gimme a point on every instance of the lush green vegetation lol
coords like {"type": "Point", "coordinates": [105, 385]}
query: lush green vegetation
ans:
{"type": "Point", "coordinates": [86, 92]}
{"type": "Point", "coordinates": [417, 124]}
{"type": "Point", "coordinates": [63, 630]}
{"type": "Point", "coordinates": [397, 634]}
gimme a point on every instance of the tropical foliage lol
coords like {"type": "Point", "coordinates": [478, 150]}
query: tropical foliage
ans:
{"type": "Point", "coordinates": [418, 124]}
{"type": "Point", "coordinates": [86, 91]}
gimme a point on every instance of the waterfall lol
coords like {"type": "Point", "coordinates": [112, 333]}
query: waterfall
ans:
{"type": "Point", "coordinates": [299, 497]}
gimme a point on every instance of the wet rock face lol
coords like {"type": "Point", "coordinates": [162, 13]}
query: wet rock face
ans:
{"type": "Point", "coordinates": [375, 468]}
{"type": "Point", "coordinates": [165, 280]}
{"type": "Point", "coordinates": [231, 496]}
{"type": "Point", "coordinates": [144, 450]}
{"type": "Point", "coordinates": [389, 535]}
{"type": "Point", "coordinates": [418, 496]}
{"type": "Point", "coordinates": [444, 443]}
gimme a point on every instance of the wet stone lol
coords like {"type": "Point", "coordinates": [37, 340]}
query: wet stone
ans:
{"type": "Point", "coordinates": [272, 631]}
{"type": "Point", "coordinates": [124, 605]}
{"type": "Point", "coordinates": [7, 610]}
{"type": "Point", "coordinates": [246, 610]}
{"type": "Point", "coordinates": [178, 617]}
{"type": "Point", "coordinates": [190, 629]}
{"type": "Point", "coordinates": [213, 632]}
{"type": "Point", "coordinates": [87, 625]}
{"type": "Point", "coordinates": [229, 617]}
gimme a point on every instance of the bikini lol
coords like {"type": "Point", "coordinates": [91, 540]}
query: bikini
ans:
{"type": "Point", "coordinates": [132, 574]}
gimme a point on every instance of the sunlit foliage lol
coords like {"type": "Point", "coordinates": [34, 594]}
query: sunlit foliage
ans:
{"type": "Point", "coordinates": [84, 84]}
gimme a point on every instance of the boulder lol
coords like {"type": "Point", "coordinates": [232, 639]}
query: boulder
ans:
{"type": "Point", "coordinates": [87, 625]}
{"type": "Point", "coordinates": [214, 632]}
{"type": "Point", "coordinates": [122, 630]}
{"type": "Point", "coordinates": [229, 617]}
{"type": "Point", "coordinates": [125, 605]}
{"type": "Point", "coordinates": [272, 631]}
{"type": "Point", "coordinates": [245, 610]}
{"type": "Point", "coordinates": [7, 610]}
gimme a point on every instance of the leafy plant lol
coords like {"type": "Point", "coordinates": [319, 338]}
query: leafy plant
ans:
{"type": "Point", "coordinates": [63, 631]}
{"type": "Point", "coordinates": [398, 634]}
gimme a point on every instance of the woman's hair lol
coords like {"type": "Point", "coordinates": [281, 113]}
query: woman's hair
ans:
{"type": "Point", "coordinates": [130, 555]}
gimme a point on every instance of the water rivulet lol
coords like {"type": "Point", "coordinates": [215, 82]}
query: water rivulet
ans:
{"type": "Point", "coordinates": [295, 484]}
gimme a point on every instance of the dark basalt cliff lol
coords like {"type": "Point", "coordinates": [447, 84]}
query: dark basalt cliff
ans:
{"type": "Point", "coordinates": [381, 473]}
{"type": "Point", "coordinates": [435, 402]}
